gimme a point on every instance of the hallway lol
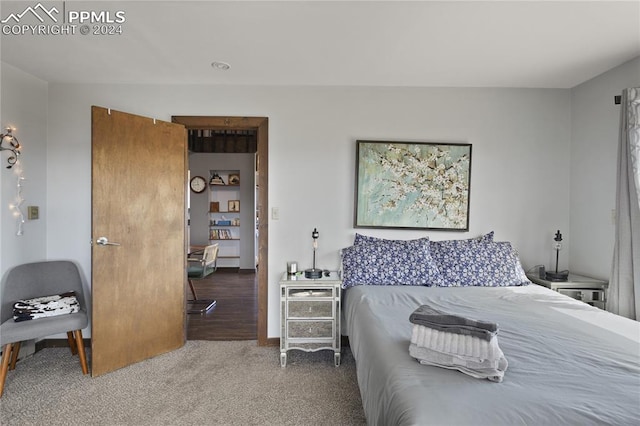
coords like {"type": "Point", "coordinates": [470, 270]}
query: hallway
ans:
{"type": "Point", "coordinates": [235, 315]}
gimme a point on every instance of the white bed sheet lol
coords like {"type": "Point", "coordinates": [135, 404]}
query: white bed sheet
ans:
{"type": "Point", "coordinates": [569, 363]}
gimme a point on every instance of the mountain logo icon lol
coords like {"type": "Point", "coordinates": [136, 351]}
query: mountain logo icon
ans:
{"type": "Point", "coordinates": [39, 11]}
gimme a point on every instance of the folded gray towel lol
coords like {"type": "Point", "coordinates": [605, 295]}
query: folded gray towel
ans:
{"type": "Point", "coordinates": [452, 323]}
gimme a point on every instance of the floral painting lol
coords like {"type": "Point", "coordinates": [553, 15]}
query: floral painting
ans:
{"type": "Point", "coordinates": [412, 185]}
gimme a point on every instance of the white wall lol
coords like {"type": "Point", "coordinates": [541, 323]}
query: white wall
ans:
{"type": "Point", "coordinates": [519, 178]}
{"type": "Point", "coordinates": [594, 156]}
{"type": "Point", "coordinates": [520, 186]}
{"type": "Point", "coordinates": [23, 107]}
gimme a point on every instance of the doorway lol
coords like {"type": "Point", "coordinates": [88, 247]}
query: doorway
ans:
{"type": "Point", "coordinates": [234, 317]}
{"type": "Point", "coordinates": [259, 127]}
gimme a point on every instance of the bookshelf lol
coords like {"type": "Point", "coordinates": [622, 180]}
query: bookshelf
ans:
{"type": "Point", "coordinates": [224, 215]}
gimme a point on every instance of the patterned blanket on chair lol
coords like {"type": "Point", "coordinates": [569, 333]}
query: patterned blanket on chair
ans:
{"type": "Point", "coordinates": [47, 306]}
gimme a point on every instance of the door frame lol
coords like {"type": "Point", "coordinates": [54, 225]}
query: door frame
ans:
{"type": "Point", "coordinates": [261, 126]}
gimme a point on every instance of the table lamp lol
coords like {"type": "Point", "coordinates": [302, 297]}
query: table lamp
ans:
{"type": "Point", "coordinates": [314, 273]}
{"type": "Point", "coordinates": [561, 275]}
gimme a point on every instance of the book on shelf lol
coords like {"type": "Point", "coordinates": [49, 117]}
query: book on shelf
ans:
{"type": "Point", "coordinates": [220, 234]}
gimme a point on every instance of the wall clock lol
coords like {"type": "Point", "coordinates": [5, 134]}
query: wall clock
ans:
{"type": "Point", "coordinates": [198, 184]}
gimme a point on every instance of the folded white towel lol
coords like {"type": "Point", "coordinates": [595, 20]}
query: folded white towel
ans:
{"type": "Point", "coordinates": [471, 355]}
{"type": "Point", "coordinates": [455, 360]}
{"type": "Point", "coordinates": [469, 347]}
{"type": "Point", "coordinates": [451, 362]}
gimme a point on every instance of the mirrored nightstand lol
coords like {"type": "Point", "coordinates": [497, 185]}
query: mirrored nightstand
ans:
{"type": "Point", "coordinates": [310, 314]}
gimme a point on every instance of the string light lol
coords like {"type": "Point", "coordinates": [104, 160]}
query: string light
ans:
{"type": "Point", "coordinates": [16, 206]}
{"type": "Point", "coordinates": [8, 142]}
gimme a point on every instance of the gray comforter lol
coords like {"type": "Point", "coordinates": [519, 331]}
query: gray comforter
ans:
{"type": "Point", "coordinates": [569, 363]}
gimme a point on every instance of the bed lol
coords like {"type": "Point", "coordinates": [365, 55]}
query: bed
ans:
{"type": "Point", "coordinates": [568, 362]}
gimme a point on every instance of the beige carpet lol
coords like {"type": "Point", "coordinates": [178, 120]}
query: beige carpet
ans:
{"type": "Point", "coordinates": [203, 383]}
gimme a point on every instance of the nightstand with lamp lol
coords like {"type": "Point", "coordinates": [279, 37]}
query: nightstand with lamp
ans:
{"type": "Point", "coordinates": [310, 305]}
{"type": "Point", "coordinates": [587, 289]}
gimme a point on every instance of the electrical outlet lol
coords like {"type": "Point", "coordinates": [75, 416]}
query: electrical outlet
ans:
{"type": "Point", "coordinates": [33, 212]}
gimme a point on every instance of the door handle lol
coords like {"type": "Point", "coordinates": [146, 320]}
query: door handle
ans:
{"type": "Point", "coordinates": [104, 241]}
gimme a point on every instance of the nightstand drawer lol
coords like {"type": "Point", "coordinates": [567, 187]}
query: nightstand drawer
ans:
{"type": "Point", "coordinates": [310, 292]}
{"type": "Point", "coordinates": [310, 309]}
{"type": "Point", "coordinates": [310, 329]}
{"type": "Point", "coordinates": [589, 290]}
{"type": "Point", "coordinates": [590, 296]}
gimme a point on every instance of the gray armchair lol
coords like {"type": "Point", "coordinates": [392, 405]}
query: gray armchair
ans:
{"type": "Point", "coordinates": [33, 280]}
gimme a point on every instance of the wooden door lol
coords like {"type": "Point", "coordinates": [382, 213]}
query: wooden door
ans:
{"type": "Point", "coordinates": [138, 202]}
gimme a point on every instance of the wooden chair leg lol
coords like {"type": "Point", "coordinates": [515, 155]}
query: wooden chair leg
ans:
{"type": "Point", "coordinates": [81, 353]}
{"type": "Point", "coordinates": [4, 365]}
{"type": "Point", "coordinates": [72, 343]}
{"type": "Point", "coordinates": [14, 355]}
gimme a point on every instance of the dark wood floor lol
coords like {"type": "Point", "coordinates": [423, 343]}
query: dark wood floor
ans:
{"type": "Point", "coordinates": [235, 315]}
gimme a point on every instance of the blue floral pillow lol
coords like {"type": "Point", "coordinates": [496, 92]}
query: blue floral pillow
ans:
{"type": "Point", "coordinates": [486, 238]}
{"type": "Point", "coordinates": [444, 249]}
{"type": "Point", "coordinates": [389, 262]}
{"type": "Point", "coordinates": [478, 263]}
{"type": "Point", "coordinates": [440, 247]}
{"type": "Point", "coordinates": [364, 239]}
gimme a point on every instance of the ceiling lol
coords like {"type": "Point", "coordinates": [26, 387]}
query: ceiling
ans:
{"type": "Point", "coordinates": [541, 44]}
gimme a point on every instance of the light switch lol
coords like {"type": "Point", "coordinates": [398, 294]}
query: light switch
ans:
{"type": "Point", "coordinates": [275, 213]}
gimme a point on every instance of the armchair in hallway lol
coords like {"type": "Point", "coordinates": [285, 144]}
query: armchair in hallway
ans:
{"type": "Point", "coordinates": [198, 269]}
